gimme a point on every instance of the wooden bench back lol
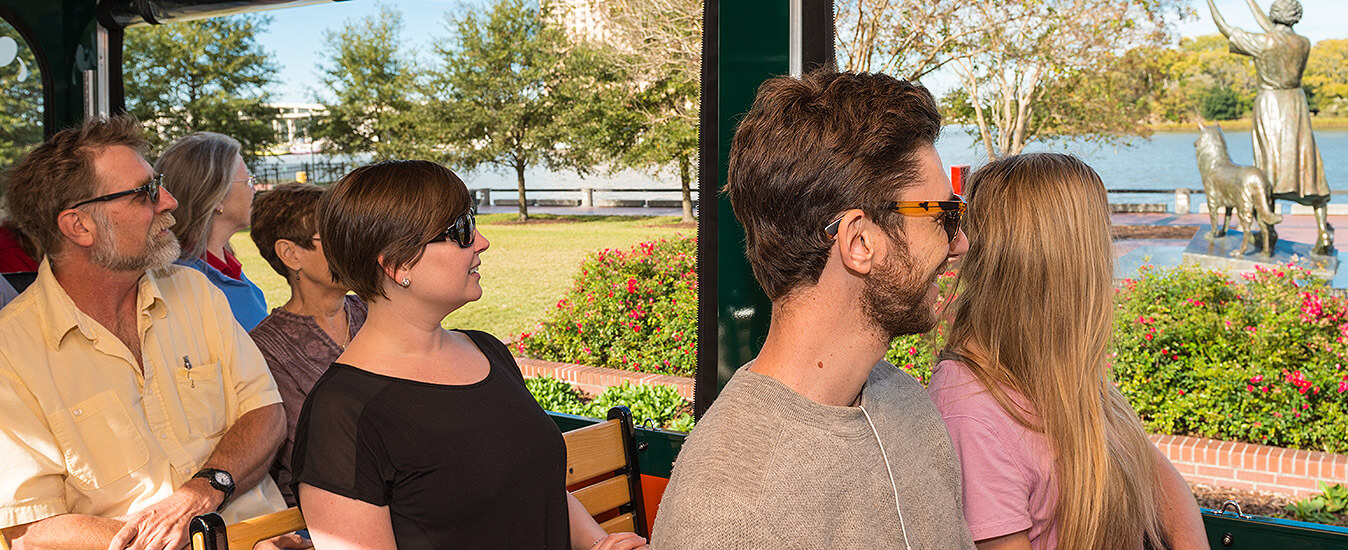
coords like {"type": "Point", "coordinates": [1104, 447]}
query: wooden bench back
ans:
{"type": "Point", "coordinates": [601, 459]}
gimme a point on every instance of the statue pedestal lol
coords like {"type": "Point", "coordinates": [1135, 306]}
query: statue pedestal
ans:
{"type": "Point", "coordinates": [1216, 254]}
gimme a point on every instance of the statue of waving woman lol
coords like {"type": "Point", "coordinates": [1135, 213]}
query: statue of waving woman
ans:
{"type": "Point", "coordinates": [1284, 147]}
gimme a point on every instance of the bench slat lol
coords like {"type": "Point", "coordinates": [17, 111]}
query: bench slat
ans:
{"type": "Point", "coordinates": [593, 451]}
{"type": "Point", "coordinates": [244, 534]}
{"type": "Point", "coordinates": [620, 524]}
{"type": "Point", "coordinates": [604, 496]}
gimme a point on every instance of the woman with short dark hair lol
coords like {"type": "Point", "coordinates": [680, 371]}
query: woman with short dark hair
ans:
{"type": "Point", "coordinates": [417, 436]}
{"type": "Point", "coordinates": [307, 333]}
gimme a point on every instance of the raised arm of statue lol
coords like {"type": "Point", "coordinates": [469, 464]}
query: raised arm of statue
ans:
{"type": "Point", "coordinates": [1217, 18]}
{"type": "Point", "coordinates": [1259, 16]}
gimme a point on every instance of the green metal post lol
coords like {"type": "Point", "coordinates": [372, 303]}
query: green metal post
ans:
{"type": "Point", "coordinates": [745, 43]}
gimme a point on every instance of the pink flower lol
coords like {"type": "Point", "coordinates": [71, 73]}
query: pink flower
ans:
{"type": "Point", "coordinates": [1257, 378]}
{"type": "Point", "coordinates": [912, 350]}
{"type": "Point", "coordinates": [631, 285]}
{"type": "Point", "coordinates": [1147, 336]}
{"type": "Point", "coordinates": [1249, 388]}
{"type": "Point", "coordinates": [1343, 386]}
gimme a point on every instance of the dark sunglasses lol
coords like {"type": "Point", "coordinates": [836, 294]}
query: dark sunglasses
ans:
{"type": "Point", "coordinates": [463, 232]}
{"type": "Point", "coordinates": [948, 212]}
{"type": "Point", "coordinates": [151, 191]}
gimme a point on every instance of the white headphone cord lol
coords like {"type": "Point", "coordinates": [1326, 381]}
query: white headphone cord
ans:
{"type": "Point", "coordinates": [890, 471]}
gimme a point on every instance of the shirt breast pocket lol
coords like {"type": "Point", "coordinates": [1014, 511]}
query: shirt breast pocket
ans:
{"type": "Point", "coordinates": [202, 390]}
{"type": "Point", "coordinates": [107, 445]}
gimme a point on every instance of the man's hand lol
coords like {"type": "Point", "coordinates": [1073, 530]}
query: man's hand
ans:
{"type": "Point", "coordinates": [163, 526]}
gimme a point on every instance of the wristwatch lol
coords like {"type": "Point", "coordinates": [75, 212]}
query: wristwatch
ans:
{"type": "Point", "coordinates": [220, 480]}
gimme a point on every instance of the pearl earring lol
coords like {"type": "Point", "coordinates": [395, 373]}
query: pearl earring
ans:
{"type": "Point", "coordinates": [405, 282]}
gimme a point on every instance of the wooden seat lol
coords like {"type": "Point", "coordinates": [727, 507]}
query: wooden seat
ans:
{"type": "Point", "coordinates": [209, 531]}
{"type": "Point", "coordinates": [603, 474]}
{"type": "Point", "coordinates": [601, 470]}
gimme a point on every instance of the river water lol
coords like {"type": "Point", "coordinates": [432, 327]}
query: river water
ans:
{"type": "Point", "coordinates": [1165, 161]}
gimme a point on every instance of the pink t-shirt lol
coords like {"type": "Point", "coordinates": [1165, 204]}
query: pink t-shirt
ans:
{"type": "Point", "coordinates": [1007, 469]}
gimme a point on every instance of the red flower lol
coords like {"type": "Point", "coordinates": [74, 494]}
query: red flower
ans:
{"type": "Point", "coordinates": [631, 285]}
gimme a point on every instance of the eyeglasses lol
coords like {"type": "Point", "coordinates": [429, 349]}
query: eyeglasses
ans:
{"type": "Point", "coordinates": [251, 181]}
{"type": "Point", "coordinates": [948, 212]}
{"type": "Point", "coordinates": [151, 191]}
{"type": "Point", "coordinates": [463, 232]}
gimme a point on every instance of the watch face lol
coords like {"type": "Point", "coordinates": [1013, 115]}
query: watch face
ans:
{"type": "Point", "coordinates": [223, 478]}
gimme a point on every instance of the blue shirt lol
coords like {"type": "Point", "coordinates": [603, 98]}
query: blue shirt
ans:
{"type": "Point", "coordinates": [245, 298]}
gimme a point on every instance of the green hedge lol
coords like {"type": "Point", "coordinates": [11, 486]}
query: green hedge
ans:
{"type": "Point", "coordinates": [651, 404]}
{"type": "Point", "coordinates": [1260, 359]}
{"type": "Point", "coordinates": [630, 309]}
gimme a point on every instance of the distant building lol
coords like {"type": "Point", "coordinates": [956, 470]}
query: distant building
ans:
{"type": "Point", "coordinates": [583, 20]}
{"type": "Point", "coordinates": [294, 120]}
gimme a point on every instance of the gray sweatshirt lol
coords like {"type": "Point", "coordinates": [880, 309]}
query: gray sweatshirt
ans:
{"type": "Point", "coordinates": [769, 468]}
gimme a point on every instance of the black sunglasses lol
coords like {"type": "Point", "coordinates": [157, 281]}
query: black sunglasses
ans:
{"type": "Point", "coordinates": [949, 213]}
{"type": "Point", "coordinates": [151, 191]}
{"type": "Point", "coordinates": [463, 232]}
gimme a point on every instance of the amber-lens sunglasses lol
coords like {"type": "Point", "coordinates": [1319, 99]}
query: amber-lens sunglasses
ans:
{"type": "Point", "coordinates": [948, 212]}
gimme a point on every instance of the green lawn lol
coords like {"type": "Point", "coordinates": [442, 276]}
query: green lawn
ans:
{"type": "Point", "coordinates": [527, 269]}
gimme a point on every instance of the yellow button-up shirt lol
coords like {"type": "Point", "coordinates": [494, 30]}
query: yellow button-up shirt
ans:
{"type": "Point", "coordinates": [83, 431]}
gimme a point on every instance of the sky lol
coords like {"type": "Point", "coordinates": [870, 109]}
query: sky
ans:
{"type": "Point", "coordinates": [296, 34]}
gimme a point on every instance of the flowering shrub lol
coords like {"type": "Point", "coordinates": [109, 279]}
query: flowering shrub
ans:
{"type": "Point", "coordinates": [629, 309]}
{"type": "Point", "coordinates": [651, 404]}
{"type": "Point", "coordinates": [1259, 360]}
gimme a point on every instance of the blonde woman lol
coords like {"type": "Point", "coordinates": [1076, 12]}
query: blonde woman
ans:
{"type": "Point", "coordinates": [1052, 455]}
{"type": "Point", "coordinates": [206, 173]}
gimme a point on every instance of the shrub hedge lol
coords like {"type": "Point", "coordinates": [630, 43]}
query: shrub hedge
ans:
{"type": "Point", "coordinates": [1260, 359]}
{"type": "Point", "coordinates": [630, 309]}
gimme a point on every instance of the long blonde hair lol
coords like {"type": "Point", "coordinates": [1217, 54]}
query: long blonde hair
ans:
{"type": "Point", "coordinates": [1034, 314]}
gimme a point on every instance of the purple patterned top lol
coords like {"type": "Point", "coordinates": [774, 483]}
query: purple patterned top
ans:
{"type": "Point", "coordinates": [298, 352]}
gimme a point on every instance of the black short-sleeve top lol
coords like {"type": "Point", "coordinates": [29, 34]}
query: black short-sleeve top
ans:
{"type": "Point", "coordinates": [459, 466]}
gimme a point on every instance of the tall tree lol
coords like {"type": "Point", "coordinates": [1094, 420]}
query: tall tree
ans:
{"type": "Point", "coordinates": [500, 104]}
{"type": "Point", "coordinates": [1327, 75]}
{"type": "Point", "coordinates": [909, 38]}
{"type": "Point", "coordinates": [371, 90]}
{"type": "Point", "coordinates": [20, 97]}
{"type": "Point", "coordinates": [208, 74]}
{"type": "Point", "coordinates": [1019, 75]}
{"type": "Point", "coordinates": [1201, 71]}
{"type": "Point", "coordinates": [656, 47]}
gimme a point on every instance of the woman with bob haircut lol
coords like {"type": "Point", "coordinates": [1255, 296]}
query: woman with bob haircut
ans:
{"type": "Point", "coordinates": [1052, 455]}
{"type": "Point", "coordinates": [206, 173]}
{"type": "Point", "coordinates": [305, 335]}
{"type": "Point", "coordinates": [417, 436]}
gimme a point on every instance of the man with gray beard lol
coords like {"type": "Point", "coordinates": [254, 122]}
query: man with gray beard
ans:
{"type": "Point", "coordinates": [130, 399]}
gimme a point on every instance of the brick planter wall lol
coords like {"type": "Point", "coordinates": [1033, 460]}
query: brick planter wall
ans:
{"type": "Point", "coordinates": [593, 380]}
{"type": "Point", "coordinates": [1252, 467]}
